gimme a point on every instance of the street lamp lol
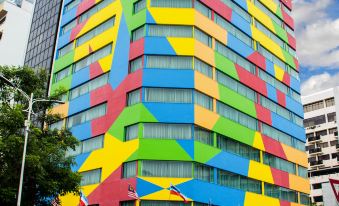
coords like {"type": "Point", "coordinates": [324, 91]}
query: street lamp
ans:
{"type": "Point", "coordinates": [31, 101]}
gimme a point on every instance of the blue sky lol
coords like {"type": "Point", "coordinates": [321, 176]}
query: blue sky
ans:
{"type": "Point", "coordinates": [317, 32]}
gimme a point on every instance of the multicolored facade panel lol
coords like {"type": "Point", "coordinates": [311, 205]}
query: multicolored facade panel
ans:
{"type": "Point", "coordinates": [203, 95]}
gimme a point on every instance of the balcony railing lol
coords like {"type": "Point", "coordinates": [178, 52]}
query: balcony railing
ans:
{"type": "Point", "coordinates": [319, 162]}
{"type": "Point", "coordinates": [315, 150]}
{"type": "Point", "coordinates": [311, 139]}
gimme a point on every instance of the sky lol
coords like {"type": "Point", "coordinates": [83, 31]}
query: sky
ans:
{"type": "Point", "coordinates": [317, 33]}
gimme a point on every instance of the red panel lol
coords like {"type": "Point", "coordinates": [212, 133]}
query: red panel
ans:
{"type": "Point", "coordinates": [281, 98]}
{"type": "Point", "coordinates": [137, 48]}
{"type": "Point", "coordinates": [95, 70]}
{"type": "Point", "coordinates": [291, 41]}
{"type": "Point", "coordinates": [284, 203]}
{"type": "Point", "coordinates": [76, 30]}
{"type": "Point", "coordinates": [287, 19]}
{"type": "Point", "coordinates": [287, 79]}
{"type": "Point", "coordinates": [251, 80]}
{"type": "Point", "coordinates": [280, 177]}
{"type": "Point", "coordinates": [274, 147]}
{"type": "Point", "coordinates": [83, 6]}
{"type": "Point", "coordinates": [220, 8]}
{"type": "Point", "coordinates": [263, 114]}
{"type": "Point", "coordinates": [258, 59]}
{"type": "Point", "coordinates": [112, 190]}
{"type": "Point", "coordinates": [287, 3]}
{"type": "Point", "coordinates": [296, 62]}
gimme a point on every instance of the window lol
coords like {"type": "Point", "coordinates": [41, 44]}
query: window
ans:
{"type": "Point", "coordinates": [167, 131]}
{"type": "Point", "coordinates": [321, 133]}
{"type": "Point", "coordinates": [87, 145]}
{"type": "Point", "coordinates": [316, 186]}
{"type": "Point", "coordinates": [313, 106]}
{"type": "Point", "coordinates": [279, 163]}
{"type": "Point", "coordinates": [238, 10]}
{"type": "Point", "coordinates": [202, 37]}
{"type": "Point", "coordinates": [90, 177]}
{"type": "Point", "coordinates": [272, 36]}
{"type": "Point", "coordinates": [89, 86]}
{"type": "Point", "coordinates": [138, 33]}
{"type": "Point", "coordinates": [203, 136]}
{"type": "Point", "coordinates": [172, 3]}
{"type": "Point", "coordinates": [63, 74]}
{"type": "Point", "coordinates": [203, 172]}
{"type": "Point", "coordinates": [136, 64]}
{"type": "Point", "coordinates": [238, 148]}
{"type": "Point", "coordinates": [203, 68]}
{"type": "Point", "coordinates": [71, 5]}
{"type": "Point", "coordinates": [87, 115]}
{"type": "Point", "coordinates": [204, 10]}
{"type": "Point", "coordinates": [161, 203]}
{"type": "Point", "coordinates": [332, 130]}
{"type": "Point", "coordinates": [170, 30]}
{"type": "Point", "coordinates": [133, 97]}
{"type": "Point", "coordinates": [94, 10]}
{"type": "Point", "coordinates": [203, 100]}
{"type": "Point", "coordinates": [57, 125]}
{"type": "Point", "coordinates": [302, 171]}
{"type": "Point", "coordinates": [169, 62]}
{"type": "Point", "coordinates": [64, 50]}
{"type": "Point", "coordinates": [68, 26]}
{"type": "Point", "coordinates": [272, 81]}
{"type": "Point", "coordinates": [281, 193]}
{"type": "Point", "coordinates": [152, 168]}
{"type": "Point", "coordinates": [318, 199]}
{"type": "Point", "coordinates": [127, 203]}
{"type": "Point", "coordinates": [236, 181]}
{"type": "Point", "coordinates": [314, 121]}
{"type": "Point", "coordinates": [331, 117]}
{"type": "Point", "coordinates": [131, 132]}
{"type": "Point", "coordinates": [304, 199]}
{"type": "Point", "coordinates": [236, 116]}
{"type": "Point", "coordinates": [167, 95]}
{"type": "Point", "coordinates": [129, 169]}
{"type": "Point", "coordinates": [329, 102]}
{"type": "Point", "coordinates": [139, 5]}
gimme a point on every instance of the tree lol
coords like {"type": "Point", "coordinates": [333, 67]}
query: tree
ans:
{"type": "Point", "coordinates": [48, 170]}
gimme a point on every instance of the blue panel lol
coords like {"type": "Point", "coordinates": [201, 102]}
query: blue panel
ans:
{"type": "Point", "coordinates": [238, 46]}
{"type": "Point", "coordinates": [241, 23]}
{"type": "Point", "coordinates": [149, 18]}
{"type": "Point", "coordinates": [230, 162]}
{"type": "Point", "coordinates": [146, 188]}
{"type": "Point", "coordinates": [119, 69]}
{"type": "Point", "coordinates": [82, 131]}
{"type": "Point", "coordinates": [242, 3]}
{"type": "Point", "coordinates": [78, 104]}
{"type": "Point", "coordinates": [152, 46]}
{"type": "Point", "coordinates": [271, 92]}
{"type": "Point", "coordinates": [295, 84]}
{"type": "Point", "coordinates": [294, 106]}
{"type": "Point", "coordinates": [172, 113]}
{"type": "Point", "coordinates": [288, 127]}
{"type": "Point", "coordinates": [270, 67]}
{"type": "Point", "coordinates": [168, 78]}
{"type": "Point", "coordinates": [188, 146]}
{"type": "Point", "coordinates": [64, 39]}
{"type": "Point", "coordinates": [66, 2]}
{"type": "Point", "coordinates": [204, 192]}
{"type": "Point", "coordinates": [68, 16]}
{"type": "Point", "coordinates": [80, 77]}
{"type": "Point", "coordinates": [80, 159]}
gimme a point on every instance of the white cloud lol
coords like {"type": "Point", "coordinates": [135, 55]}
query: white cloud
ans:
{"type": "Point", "coordinates": [319, 82]}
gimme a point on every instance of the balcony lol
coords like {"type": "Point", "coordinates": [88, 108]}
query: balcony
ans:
{"type": "Point", "coordinates": [316, 163]}
{"type": "Point", "coordinates": [337, 146]}
{"type": "Point", "coordinates": [315, 151]}
{"type": "Point", "coordinates": [314, 139]}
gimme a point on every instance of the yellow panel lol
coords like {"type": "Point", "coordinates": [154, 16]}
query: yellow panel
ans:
{"type": "Point", "coordinates": [206, 85]}
{"type": "Point", "coordinates": [258, 143]}
{"type": "Point", "coordinates": [299, 184]}
{"type": "Point", "coordinates": [172, 16]}
{"type": "Point", "coordinates": [279, 72]}
{"type": "Point", "coordinates": [106, 63]}
{"type": "Point", "coordinates": [165, 182]}
{"type": "Point", "coordinates": [295, 155]}
{"type": "Point", "coordinates": [163, 195]}
{"type": "Point", "coordinates": [61, 109]}
{"type": "Point", "coordinates": [182, 46]}
{"type": "Point", "coordinates": [204, 117]}
{"type": "Point", "coordinates": [261, 16]}
{"type": "Point", "coordinates": [73, 200]}
{"type": "Point", "coordinates": [270, 5]}
{"type": "Point", "coordinates": [204, 52]}
{"type": "Point", "coordinates": [252, 199]}
{"type": "Point", "coordinates": [260, 171]}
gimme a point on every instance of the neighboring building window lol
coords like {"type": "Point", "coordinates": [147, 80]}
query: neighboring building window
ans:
{"type": "Point", "coordinates": [321, 133]}
{"type": "Point", "coordinates": [129, 169]}
{"type": "Point", "coordinates": [202, 37]}
{"type": "Point", "coordinates": [236, 181]}
{"type": "Point", "coordinates": [172, 3]}
{"type": "Point", "coordinates": [57, 125]}
{"type": "Point", "coordinates": [90, 177]}
{"type": "Point", "coordinates": [131, 132]}
{"type": "Point", "coordinates": [281, 193]}
{"type": "Point", "coordinates": [204, 10]}
{"type": "Point", "coordinates": [316, 186]}
{"type": "Point", "coordinates": [87, 145]}
{"type": "Point", "coordinates": [279, 163]}
{"type": "Point", "coordinates": [203, 172]}
{"type": "Point", "coordinates": [133, 97]}
{"type": "Point", "coordinates": [152, 168]}
{"type": "Point", "coordinates": [332, 130]}
{"type": "Point", "coordinates": [302, 171]}
{"type": "Point", "coordinates": [169, 62]}
{"type": "Point", "coordinates": [203, 68]}
{"type": "Point", "coordinates": [168, 95]}
{"type": "Point", "coordinates": [203, 100]}
{"type": "Point", "coordinates": [71, 5]}
{"type": "Point", "coordinates": [318, 199]}
{"type": "Point", "coordinates": [329, 102]}
{"type": "Point", "coordinates": [203, 135]}
{"type": "Point", "coordinates": [63, 73]}
{"type": "Point", "coordinates": [331, 117]}
{"type": "Point", "coordinates": [313, 106]}
{"type": "Point", "coordinates": [167, 131]}
{"type": "Point", "coordinates": [139, 5]}
{"type": "Point", "coordinates": [136, 64]}
{"type": "Point", "coordinates": [138, 33]}
{"type": "Point", "coordinates": [87, 115]}
{"type": "Point", "coordinates": [304, 199]}
{"type": "Point", "coordinates": [236, 116]}
{"type": "Point", "coordinates": [238, 148]}
{"type": "Point", "coordinates": [64, 50]}
{"type": "Point", "coordinates": [314, 121]}
{"type": "Point", "coordinates": [89, 86]}
{"type": "Point", "coordinates": [170, 30]}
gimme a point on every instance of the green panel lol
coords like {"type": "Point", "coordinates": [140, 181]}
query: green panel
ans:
{"type": "Point", "coordinates": [234, 130]}
{"type": "Point", "coordinates": [133, 157]}
{"type": "Point", "coordinates": [156, 149]}
{"type": "Point", "coordinates": [130, 115]}
{"type": "Point", "coordinates": [279, 13]}
{"type": "Point", "coordinates": [64, 61]}
{"type": "Point", "coordinates": [225, 65]}
{"type": "Point", "coordinates": [203, 153]}
{"type": "Point", "coordinates": [289, 59]}
{"type": "Point", "coordinates": [233, 99]}
{"type": "Point", "coordinates": [280, 31]}
{"type": "Point", "coordinates": [64, 83]}
{"type": "Point", "coordinates": [133, 20]}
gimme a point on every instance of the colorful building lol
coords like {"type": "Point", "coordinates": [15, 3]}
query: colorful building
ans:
{"type": "Point", "coordinates": [202, 95]}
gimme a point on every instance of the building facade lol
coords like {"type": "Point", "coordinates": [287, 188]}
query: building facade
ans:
{"type": "Point", "coordinates": [43, 34]}
{"type": "Point", "coordinates": [321, 125]}
{"type": "Point", "coordinates": [15, 19]}
{"type": "Point", "coordinates": [202, 95]}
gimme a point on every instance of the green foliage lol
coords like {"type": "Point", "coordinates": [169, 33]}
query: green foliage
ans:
{"type": "Point", "coordinates": [47, 171]}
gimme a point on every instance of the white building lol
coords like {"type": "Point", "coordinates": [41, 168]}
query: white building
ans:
{"type": "Point", "coordinates": [15, 19]}
{"type": "Point", "coordinates": [321, 124]}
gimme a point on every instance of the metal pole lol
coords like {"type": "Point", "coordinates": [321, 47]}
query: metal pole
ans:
{"type": "Point", "coordinates": [27, 124]}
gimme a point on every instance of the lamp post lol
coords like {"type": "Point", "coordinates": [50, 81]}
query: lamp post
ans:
{"type": "Point", "coordinates": [31, 101]}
